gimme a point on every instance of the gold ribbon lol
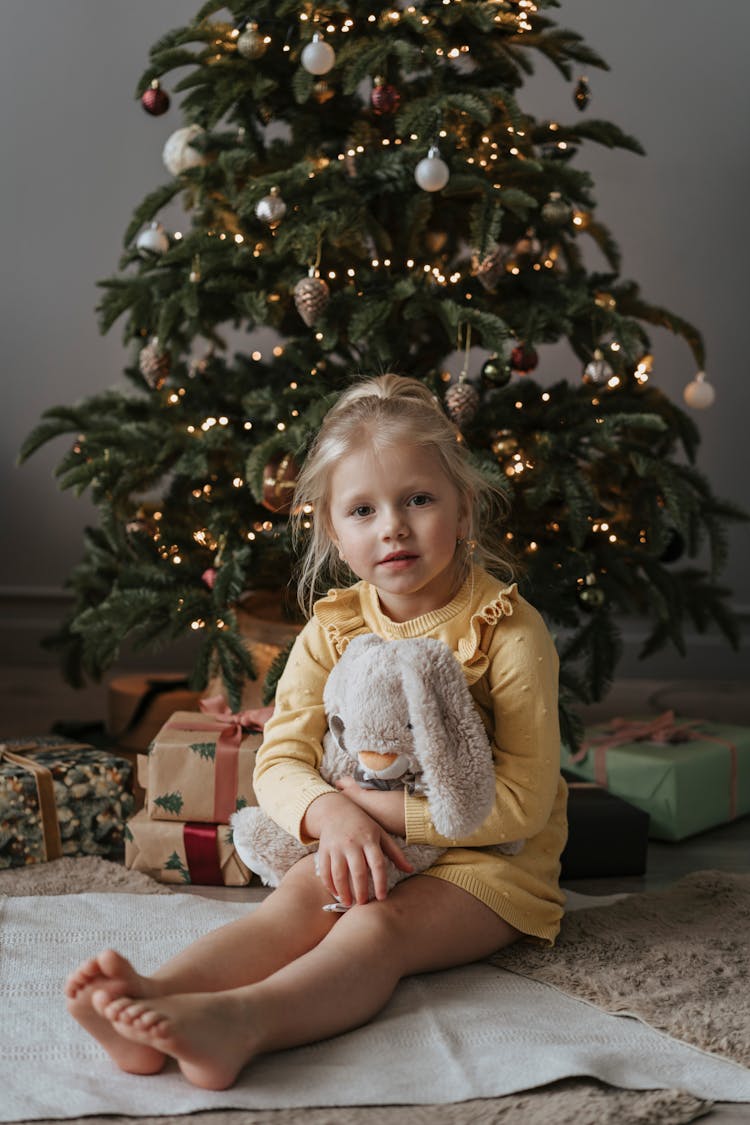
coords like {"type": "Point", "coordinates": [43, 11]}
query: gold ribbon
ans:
{"type": "Point", "coordinates": [45, 788]}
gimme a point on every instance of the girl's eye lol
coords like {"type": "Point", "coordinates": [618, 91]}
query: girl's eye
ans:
{"type": "Point", "coordinates": [420, 500]}
{"type": "Point", "coordinates": [362, 510]}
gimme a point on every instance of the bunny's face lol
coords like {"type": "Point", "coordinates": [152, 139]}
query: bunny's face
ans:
{"type": "Point", "coordinates": [372, 725]}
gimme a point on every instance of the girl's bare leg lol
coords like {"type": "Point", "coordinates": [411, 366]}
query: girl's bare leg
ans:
{"type": "Point", "coordinates": [285, 925]}
{"type": "Point", "coordinates": [425, 924]}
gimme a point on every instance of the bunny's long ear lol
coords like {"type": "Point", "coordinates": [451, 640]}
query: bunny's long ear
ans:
{"type": "Point", "coordinates": [335, 691]}
{"type": "Point", "coordinates": [450, 740]}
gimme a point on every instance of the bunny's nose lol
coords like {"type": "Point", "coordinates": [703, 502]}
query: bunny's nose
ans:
{"type": "Point", "coordinates": [375, 762]}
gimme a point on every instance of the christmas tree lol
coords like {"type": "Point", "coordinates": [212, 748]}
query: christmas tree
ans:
{"type": "Point", "coordinates": [362, 180]}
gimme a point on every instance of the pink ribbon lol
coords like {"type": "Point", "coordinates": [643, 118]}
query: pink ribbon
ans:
{"type": "Point", "coordinates": [663, 730]}
{"type": "Point", "coordinates": [230, 727]}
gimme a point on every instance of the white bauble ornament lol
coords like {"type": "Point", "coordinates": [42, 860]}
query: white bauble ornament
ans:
{"type": "Point", "coordinates": [152, 240]}
{"type": "Point", "coordinates": [318, 57]}
{"type": "Point", "coordinates": [432, 173]}
{"type": "Point", "coordinates": [699, 394]}
{"type": "Point", "coordinates": [178, 154]}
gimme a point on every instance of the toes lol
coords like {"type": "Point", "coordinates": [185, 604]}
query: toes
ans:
{"type": "Point", "coordinates": [82, 977]}
{"type": "Point", "coordinates": [114, 964]}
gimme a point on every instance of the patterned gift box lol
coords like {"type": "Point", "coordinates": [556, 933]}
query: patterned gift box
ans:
{"type": "Point", "coordinates": [200, 766]}
{"type": "Point", "coordinates": [60, 798]}
{"type": "Point", "coordinates": [202, 854]}
{"type": "Point", "coordinates": [687, 775]}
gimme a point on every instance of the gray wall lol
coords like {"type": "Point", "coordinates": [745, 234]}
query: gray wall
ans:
{"type": "Point", "coordinates": [79, 153]}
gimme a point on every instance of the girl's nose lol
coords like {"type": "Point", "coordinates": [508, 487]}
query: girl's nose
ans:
{"type": "Point", "coordinates": [394, 525]}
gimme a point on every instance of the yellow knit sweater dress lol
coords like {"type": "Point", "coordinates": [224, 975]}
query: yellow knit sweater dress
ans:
{"type": "Point", "coordinates": [511, 665]}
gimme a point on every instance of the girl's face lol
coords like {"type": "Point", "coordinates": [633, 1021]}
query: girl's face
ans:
{"type": "Point", "coordinates": [395, 518]}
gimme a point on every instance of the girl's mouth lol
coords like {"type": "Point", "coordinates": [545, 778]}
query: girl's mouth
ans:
{"type": "Point", "coordinates": [399, 560]}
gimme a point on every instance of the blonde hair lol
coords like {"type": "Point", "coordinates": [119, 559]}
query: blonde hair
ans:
{"type": "Point", "coordinates": [387, 410]}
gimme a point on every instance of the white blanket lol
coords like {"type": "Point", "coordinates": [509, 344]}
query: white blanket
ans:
{"type": "Point", "coordinates": [444, 1037]}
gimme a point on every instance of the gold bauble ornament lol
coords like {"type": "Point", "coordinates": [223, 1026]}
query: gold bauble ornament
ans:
{"type": "Point", "coordinates": [250, 44]}
{"type": "Point", "coordinates": [279, 481]}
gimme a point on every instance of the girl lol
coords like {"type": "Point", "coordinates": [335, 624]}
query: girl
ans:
{"type": "Point", "coordinates": [397, 503]}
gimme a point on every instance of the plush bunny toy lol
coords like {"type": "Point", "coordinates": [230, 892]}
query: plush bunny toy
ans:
{"type": "Point", "coordinates": [399, 716]}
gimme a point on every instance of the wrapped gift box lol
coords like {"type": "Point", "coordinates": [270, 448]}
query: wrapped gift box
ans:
{"type": "Point", "coordinates": [202, 854]}
{"type": "Point", "coordinates": [138, 706]}
{"type": "Point", "coordinates": [688, 776]}
{"type": "Point", "coordinates": [606, 835]}
{"type": "Point", "coordinates": [61, 798]}
{"type": "Point", "coordinates": [200, 766]}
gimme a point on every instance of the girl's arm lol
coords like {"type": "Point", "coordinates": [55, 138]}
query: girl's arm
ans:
{"type": "Point", "coordinates": [291, 791]}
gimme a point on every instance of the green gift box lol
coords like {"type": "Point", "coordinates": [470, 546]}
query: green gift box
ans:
{"type": "Point", "coordinates": [687, 775]}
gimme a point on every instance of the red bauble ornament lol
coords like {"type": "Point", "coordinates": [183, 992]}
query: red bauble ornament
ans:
{"type": "Point", "coordinates": [155, 100]}
{"type": "Point", "coordinates": [523, 358]}
{"type": "Point", "coordinates": [384, 97]}
{"type": "Point", "coordinates": [279, 478]}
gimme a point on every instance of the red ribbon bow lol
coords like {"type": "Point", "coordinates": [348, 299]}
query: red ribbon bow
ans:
{"type": "Point", "coordinates": [662, 730]}
{"type": "Point", "coordinates": [230, 727]}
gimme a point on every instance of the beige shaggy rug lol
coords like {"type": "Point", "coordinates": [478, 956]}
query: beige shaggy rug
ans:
{"type": "Point", "coordinates": [676, 958]}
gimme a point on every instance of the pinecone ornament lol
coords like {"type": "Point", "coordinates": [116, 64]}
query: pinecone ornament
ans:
{"type": "Point", "coordinates": [489, 268]}
{"type": "Point", "coordinates": [154, 362]}
{"type": "Point", "coordinates": [462, 402]}
{"type": "Point", "coordinates": [311, 296]}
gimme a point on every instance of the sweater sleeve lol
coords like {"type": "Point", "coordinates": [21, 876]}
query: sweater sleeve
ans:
{"type": "Point", "coordinates": [286, 778]}
{"type": "Point", "coordinates": [521, 691]}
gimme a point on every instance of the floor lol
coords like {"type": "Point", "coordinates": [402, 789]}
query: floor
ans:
{"type": "Point", "coordinates": [33, 698]}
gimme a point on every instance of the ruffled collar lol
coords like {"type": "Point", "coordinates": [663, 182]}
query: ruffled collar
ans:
{"type": "Point", "coordinates": [481, 601]}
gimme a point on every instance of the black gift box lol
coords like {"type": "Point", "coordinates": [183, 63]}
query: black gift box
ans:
{"type": "Point", "coordinates": [606, 835]}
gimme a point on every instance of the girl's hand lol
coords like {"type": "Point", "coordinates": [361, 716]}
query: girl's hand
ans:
{"type": "Point", "coordinates": [352, 847]}
{"type": "Point", "coordinates": [385, 806]}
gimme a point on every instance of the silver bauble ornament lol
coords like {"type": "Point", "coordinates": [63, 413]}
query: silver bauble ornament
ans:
{"type": "Point", "coordinates": [178, 154]}
{"type": "Point", "coordinates": [318, 57]}
{"type": "Point", "coordinates": [597, 370]}
{"type": "Point", "coordinates": [311, 296]}
{"type": "Point", "coordinates": [250, 44]}
{"type": "Point", "coordinates": [432, 173]}
{"type": "Point", "coordinates": [152, 240]}
{"type": "Point", "coordinates": [271, 208]}
{"type": "Point", "coordinates": [462, 402]}
{"type": "Point", "coordinates": [154, 363]}
{"type": "Point", "coordinates": [699, 394]}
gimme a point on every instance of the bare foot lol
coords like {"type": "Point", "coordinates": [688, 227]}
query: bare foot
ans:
{"type": "Point", "coordinates": [111, 975]}
{"type": "Point", "coordinates": [206, 1032]}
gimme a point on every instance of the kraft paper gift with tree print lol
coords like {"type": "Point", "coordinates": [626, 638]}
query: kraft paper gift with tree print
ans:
{"type": "Point", "coordinates": [200, 765]}
{"type": "Point", "coordinates": [200, 854]}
